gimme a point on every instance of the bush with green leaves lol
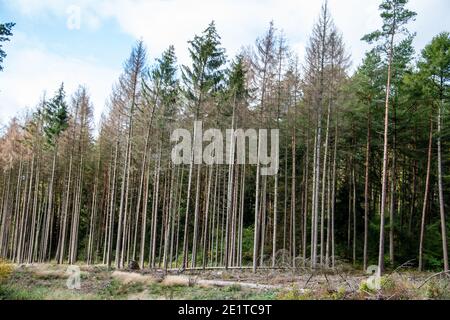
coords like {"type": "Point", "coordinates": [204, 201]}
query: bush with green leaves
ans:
{"type": "Point", "coordinates": [6, 270]}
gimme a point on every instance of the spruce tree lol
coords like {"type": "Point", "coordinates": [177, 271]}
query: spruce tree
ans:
{"type": "Point", "coordinates": [5, 34]}
{"type": "Point", "coordinates": [202, 82]}
{"type": "Point", "coordinates": [56, 116]}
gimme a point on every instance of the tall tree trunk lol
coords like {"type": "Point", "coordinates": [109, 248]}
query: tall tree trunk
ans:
{"type": "Point", "coordinates": [393, 190]}
{"type": "Point", "coordinates": [366, 190]}
{"type": "Point", "coordinates": [441, 191]}
{"type": "Point", "coordinates": [426, 194]}
{"type": "Point", "coordinates": [354, 214]}
{"type": "Point", "coordinates": [196, 218]}
{"type": "Point", "coordinates": [155, 210]}
{"type": "Point", "coordinates": [257, 222]}
{"type": "Point", "coordinates": [333, 195]}
{"type": "Point", "coordinates": [385, 161]}
{"type": "Point", "coordinates": [48, 219]}
{"type": "Point", "coordinates": [324, 176]}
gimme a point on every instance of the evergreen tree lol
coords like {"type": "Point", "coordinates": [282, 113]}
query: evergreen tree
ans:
{"type": "Point", "coordinates": [56, 116]}
{"type": "Point", "coordinates": [435, 66]}
{"type": "Point", "coordinates": [165, 85]}
{"type": "Point", "coordinates": [395, 17]}
{"type": "Point", "coordinates": [206, 75]}
{"type": "Point", "coordinates": [5, 34]}
{"type": "Point", "coordinates": [202, 82]}
{"type": "Point", "coordinates": [64, 192]}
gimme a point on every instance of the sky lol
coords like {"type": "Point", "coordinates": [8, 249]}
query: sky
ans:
{"type": "Point", "coordinates": [85, 42]}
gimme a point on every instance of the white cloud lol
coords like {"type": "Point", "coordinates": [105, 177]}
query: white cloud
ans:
{"type": "Point", "coordinates": [31, 69]}
{"type": "Point", "coordinates": [164, 22]}
{"type": "Point", "coordinates": [161, 23]}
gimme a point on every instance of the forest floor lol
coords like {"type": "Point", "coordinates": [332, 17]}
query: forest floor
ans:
{"type": "Point", "coordinates": [49, 282]}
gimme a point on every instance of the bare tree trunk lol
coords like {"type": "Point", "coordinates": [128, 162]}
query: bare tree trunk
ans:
{"type": "Point", "coordinates": [257, 222]}
{"type": "Point", "coordinates": [425, 200]}
{"type": "Point", "coordinates": [155, 212]}
{"type": "Point", "coordinates": [3, 228]}
{"type": "Point", "coordinates": [306, 194]}
{"type": "Point", "coordinates": [34, 215]}
{"type": "Point", "coordinates": [112, 207]}
{"type": "Point", "coordinates": [324, 175]}
{"type": "Point", "coordinates": [285, 200]}
{"type": "Point", "coordinates": [164, 217]}
{"type": "Point", "coordinates": [188, 198]}
{"type": "Point", "coordinates": [275, 218]}
{"type": "Point", "coordinates": [366, 191]}
{"type": "Point", "coordinates": [241, 230]}
{"type": "Point", "coordinates": [385, 161]}
{"type": "Point", "coordinates": [413, 197]}
{"type": "Point", "coordinates": [205, 229]}
{"type": "Point", "coordinates": [230, 186]}
{"type": "Point", "coordinates": [293, 196]}
{"type": "Point", "coordinates": [196, 218]}
{"type": "Point", "coordinates": [49, 208]}
{"type": "Point", "coordinates": [313, 206]}
{"type": "Point", "coordinates": [177, 242]}
{"type": "Point", "coordinates": [441, 192]}
{"type": "Point", "coordinates": [333, 195]}
{"type": "Point", "coordinates": [169, 219]}
{"type": "Point", "coordinates": [144, 214]}
{"type": "Point", "coordinates": [349, 220]}
{"type": "Point", "coordinates": [122, 205]}
{"type": "Point", "coordinates": [354, 214]}
{"type": "Point", "coordinates": [328, 239]}
{"type": "Point", "coordinates": [93, 212]}
{"type": "Point", "coordinates": [263, 215]}
{"type": "Point", "coordinates": [393, 190]}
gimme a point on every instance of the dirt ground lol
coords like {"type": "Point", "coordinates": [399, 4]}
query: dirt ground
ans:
{"type": "Point", "coordinates": [49, 282]}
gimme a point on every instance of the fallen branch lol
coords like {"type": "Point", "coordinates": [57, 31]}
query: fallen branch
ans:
{"type": "Point", "coordinates": [309, 279]}
{"type": "Point", "coordinates": [219, 283]}
{"type": "Point", "coordinates": [433, 276]}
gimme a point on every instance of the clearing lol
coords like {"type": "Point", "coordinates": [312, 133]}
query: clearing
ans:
{"type": "Point", "coordinates": [49, 282]}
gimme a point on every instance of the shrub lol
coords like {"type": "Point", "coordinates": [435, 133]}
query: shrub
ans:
{"type": "Point", "coordinates": [339, 295]}
{"type": "Point", "coordinates": [365, 288]}
{"type": "Point", "coordinates": [387, 283]}
{"type": "Point", "coordinates": [295, 294]}
{"type": "Point", "coordinates": [233, 288]}
{"type": "Point", "coordinates": [6, 270]}
{"type": "Point", "coordinates": [437, 290]}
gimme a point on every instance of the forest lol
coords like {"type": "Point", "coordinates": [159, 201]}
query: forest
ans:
{"type": "Point", "coordinates": [363, 178]}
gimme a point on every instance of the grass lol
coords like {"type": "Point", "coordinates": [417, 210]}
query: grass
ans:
{"type": "Point", "coordinates": [115, 290]}
{"type": "Point", "coordinates": [98, 283]}
{"type": "Point", "coordinates": [6, 270]}
{"type": "Point", "coordinates": [437, 290]}
{"type": "Point", "coordinates": [199, 293]}
{"type": "Point", "coordinates": [24, 284]}
{"type": "Point", "coordinates": [294, 293]}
